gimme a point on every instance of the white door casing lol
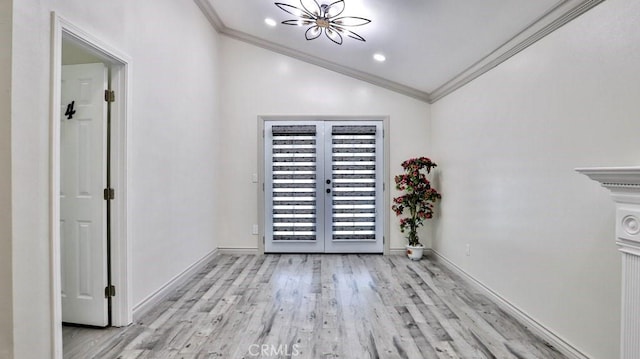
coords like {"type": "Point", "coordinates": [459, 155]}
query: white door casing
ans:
{"type": "Point", "coordinates": [82, 206]}
{"type": "Point", "coordinates": [324, 186]}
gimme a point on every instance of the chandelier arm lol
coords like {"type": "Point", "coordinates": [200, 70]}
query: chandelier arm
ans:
{"type": "Point", "coordinates": [340, 6]}
{"type": "Point", "coordinates": [333, 35]}
{"type": "Point", "coordinates": [350, 21]}
{"type": "Point", "coordinates": [297, 22]}
{"type": "Point", "coordinates": [296, 11]}
{"type": "Point", "coordinates": [349, 33]}
{"type": "Point", "coordinates": [308, 4]}
{"type": "Point", "coordinates": [313, 32]}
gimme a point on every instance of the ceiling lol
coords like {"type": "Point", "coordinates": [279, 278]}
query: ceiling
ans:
{"type": "Point", "coordinates": [432, 47]}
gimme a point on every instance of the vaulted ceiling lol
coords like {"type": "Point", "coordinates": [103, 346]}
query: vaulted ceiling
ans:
{"type": "Point", "coordinates": [432, 47]}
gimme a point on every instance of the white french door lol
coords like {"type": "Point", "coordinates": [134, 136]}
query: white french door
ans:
{"type": "Point", "coordinates": [324, 186]}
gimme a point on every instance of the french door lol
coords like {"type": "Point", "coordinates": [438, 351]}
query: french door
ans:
{"type": "Point", "coordinates": [323, 186]}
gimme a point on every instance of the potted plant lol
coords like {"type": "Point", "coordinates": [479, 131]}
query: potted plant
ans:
{"type": "Point", "coordinates": [417, 201]}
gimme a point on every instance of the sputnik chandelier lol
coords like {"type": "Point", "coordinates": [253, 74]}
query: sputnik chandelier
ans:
{"type": "Point", "coordinates": [323, 18]}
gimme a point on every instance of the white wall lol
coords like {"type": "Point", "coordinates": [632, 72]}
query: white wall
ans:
{"type": "Point", "coordinates": [259, 82]}
{"type": "Point", "coordinates": [6, 295]}
{"type": "Point", "coordinates": [541, 235]}
{"type": "Point", "coordinates": [30, 176]}
{"type": "Point", "coordinates": [172, 147]}
{"type": "Point", "coordinates": [173, 192]}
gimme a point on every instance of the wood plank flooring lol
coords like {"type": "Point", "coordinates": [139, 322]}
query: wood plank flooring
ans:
{"type": "Point", "coordinates": [317, 306]}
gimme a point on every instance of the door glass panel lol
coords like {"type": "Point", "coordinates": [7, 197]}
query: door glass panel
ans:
{"type": "Point", "coordinates": [294, 182]}
{"type": "Point", "coordinates": [353, 165]}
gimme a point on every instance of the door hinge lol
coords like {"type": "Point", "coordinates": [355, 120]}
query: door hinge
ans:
{"type": "Point", "coordinates": [109, 194]}
{"type": "Point", "coordinates": [109, 291]}
{"type": "Point", "coordinates": [109, 95]}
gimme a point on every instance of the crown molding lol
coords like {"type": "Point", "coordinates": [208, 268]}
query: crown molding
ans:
{"type": "Point", "coordinates": [211, 15]}
{"type": "Point", "coordinates": [557, 16]}
{"type": "Point", "coordinates": [540, 28]}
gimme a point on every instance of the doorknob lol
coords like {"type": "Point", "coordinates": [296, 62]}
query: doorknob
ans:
{"type": "Point", "coordinates": [328, 181]}
{"type": "Point", "coordinates": [328, 190]}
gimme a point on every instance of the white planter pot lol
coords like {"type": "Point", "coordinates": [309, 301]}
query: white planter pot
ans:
{"type": "Point", "coordinates": [415, 253]}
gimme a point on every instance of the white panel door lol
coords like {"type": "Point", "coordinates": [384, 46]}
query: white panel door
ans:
{"type": "Point", "coordinates": [83, 178]}
{"type": "Point", "coordinates": [323, 186]}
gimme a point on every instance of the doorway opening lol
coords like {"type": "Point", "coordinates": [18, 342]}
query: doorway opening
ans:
{"type": "Point", "coordinates": [90, 252]}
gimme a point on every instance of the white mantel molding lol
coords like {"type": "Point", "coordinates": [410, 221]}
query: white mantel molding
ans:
{"type": "Point", "coordinates": [613, 177]}
{"type": "Point", "coordinates": [624, 184]}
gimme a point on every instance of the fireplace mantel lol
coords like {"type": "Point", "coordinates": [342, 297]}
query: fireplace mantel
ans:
{"type": "Point", "coordinates": [624, 184]}
{"type": "Point", "coordinates": [614, 178]}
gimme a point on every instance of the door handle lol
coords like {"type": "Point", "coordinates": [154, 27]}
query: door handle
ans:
{"type": "Point", "coordinates": [328, 190]}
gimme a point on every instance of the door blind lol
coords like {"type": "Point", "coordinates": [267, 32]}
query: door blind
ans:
{"type": "Point", "coordinates": [294, 199]}
{"type": "Point", "coordinates": [353, 172]}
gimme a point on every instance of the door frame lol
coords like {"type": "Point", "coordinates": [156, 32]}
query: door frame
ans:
{"type": "Point", "coordinates": [120, 77]}
{"type": "Point", "coordinates": [385, 176]}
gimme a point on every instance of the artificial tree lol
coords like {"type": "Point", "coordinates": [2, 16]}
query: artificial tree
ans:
{"type": "Point", "coordinates": [418, 197]}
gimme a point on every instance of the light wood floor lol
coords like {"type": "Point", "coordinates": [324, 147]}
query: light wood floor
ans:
{"type": "Point", "coordinates": [317, 306]}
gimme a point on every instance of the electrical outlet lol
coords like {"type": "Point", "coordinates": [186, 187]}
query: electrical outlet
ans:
{"type": "Point", "coordinates": [468, 251]}
{"type": "Point", "coordinates": [254, 177]}
{"type": "Point", "coordinates": [254, 230]}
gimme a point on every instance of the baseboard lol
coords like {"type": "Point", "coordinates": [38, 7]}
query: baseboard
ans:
{"type": "Point", "coordinates": [238, 251]}
{"type": "Point", "coordinates": [156, 297]}
{"type": "Point", "coordinates": [536, 328]}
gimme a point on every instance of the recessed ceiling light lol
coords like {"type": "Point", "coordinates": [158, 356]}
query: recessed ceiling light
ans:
{"type": "Point", "coordinates": [270, 22]}
{"type": "Point", "coordinates": [379, 57]}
